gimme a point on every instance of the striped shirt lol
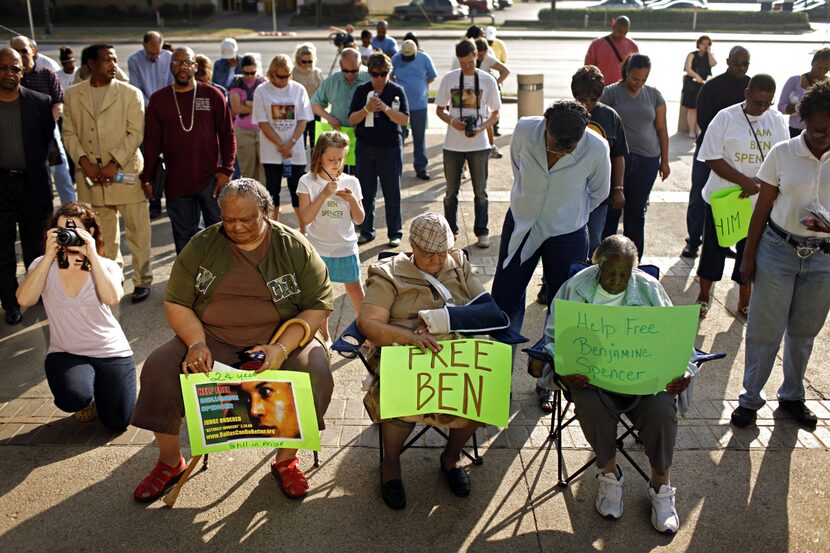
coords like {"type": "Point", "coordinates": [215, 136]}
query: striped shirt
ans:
{"type": "Point", "coordinates": [45, 81]}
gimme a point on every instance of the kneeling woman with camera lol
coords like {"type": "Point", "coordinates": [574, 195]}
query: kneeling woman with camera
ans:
{"type": "Point", "coordinates": [89, 365]}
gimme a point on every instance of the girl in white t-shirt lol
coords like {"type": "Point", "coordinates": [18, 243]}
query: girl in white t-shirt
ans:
{"type": "Point", "coordinates": [329, 208]}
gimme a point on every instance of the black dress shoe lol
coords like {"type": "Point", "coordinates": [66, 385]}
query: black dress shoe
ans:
{"type": "Point", "coordinates": [393, 494]}
{"type": "Point", "coordinates": [457, 478]}
{"type": "Point", "coordinates": [730, 253]}
{"type": "Point", "coordinates": [13, 316]}
{"type": "Point", "coordinates": [800, 412]}
{"type": "Point", "coordinates": [743, 416]}
{"type": "Point", "coordinates": [542, 296]}
{"type": "Point", "coordinates": [689, 251]}
{"type": "Point", "coordinates": [423, 175]}
{"type": "Point", "coordinates": [140, 294]}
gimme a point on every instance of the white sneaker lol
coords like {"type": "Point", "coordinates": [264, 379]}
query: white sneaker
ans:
{"type": "Point", "coordinates": [483, 242]}
{"type": "Point", "coordinates": [610, 495]}
{"type": "Point", "coordinates": [663, 514]}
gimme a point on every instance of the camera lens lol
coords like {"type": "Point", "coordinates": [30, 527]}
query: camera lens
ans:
{"type": "Point", "coordinates": [68, 237]}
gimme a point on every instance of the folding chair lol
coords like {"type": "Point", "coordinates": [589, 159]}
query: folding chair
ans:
{"type": "Point", "coordinates": [349, 344]}
{"type": "Point", "coordinates": [558, 416]}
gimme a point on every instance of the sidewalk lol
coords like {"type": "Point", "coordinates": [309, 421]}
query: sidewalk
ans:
{"type": "Point", "coordinates": [68, 486]}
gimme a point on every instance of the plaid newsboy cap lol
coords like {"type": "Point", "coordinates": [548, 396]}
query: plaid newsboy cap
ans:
{"type": "Point", "coordinates": [431, 233]}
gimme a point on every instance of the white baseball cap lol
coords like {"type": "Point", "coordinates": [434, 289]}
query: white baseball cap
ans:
{"type": "Point", "coordinates": [490, 33]}
{"type": "Point", "coordinates": [409, 48]}
{"type": "Point", "coordinates": [228, 49]}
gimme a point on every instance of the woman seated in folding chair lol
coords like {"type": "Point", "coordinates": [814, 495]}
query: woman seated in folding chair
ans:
{"type": "Point", "coordinates": [397, 289]}
{"type": "Point", "coordinates": [230, 288]}
{"type": "Point", "coordinates": [614, 280]}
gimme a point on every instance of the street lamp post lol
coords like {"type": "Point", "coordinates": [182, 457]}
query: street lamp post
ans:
{"type": "Point", "coordinates": [31, 21]}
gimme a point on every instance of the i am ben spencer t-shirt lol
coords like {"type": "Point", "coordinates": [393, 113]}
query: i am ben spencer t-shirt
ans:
{"type": "Point", "coordinates": [331, 233]}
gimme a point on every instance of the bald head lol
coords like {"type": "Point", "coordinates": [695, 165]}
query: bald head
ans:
{"type": "Point", "coordinates": [13, 70]}
{"type": "Point", "coordinates": [153, 42]}
{"type": "Point", "coordinates": [737, 64]}
{"type": "Point", "coordinates": [27, 52]}
{"type": "Point", "coordinates": [620, 28]}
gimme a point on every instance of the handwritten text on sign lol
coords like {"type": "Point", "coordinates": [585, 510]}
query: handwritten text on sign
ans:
{"type": "Point", "coordinates": [630, 350]}
{"type": "Point", "coordinates": [731, 215]}
{"type": "Point", "coordinates": [468, 378]}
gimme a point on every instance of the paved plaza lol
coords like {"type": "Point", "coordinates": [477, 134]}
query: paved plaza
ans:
{"type": "Point", "coordinates": [67, 486]}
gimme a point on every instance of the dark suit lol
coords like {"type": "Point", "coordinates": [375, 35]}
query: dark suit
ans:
{"type": "Point", "coordinates": [26, 197]}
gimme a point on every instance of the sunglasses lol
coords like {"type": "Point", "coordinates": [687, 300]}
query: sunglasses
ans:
{"type": "Point", "coordinates": [381, 75]}
{"type": "Point", "coordinates": [249, 73]}
{"type": "Point", "coordinates": [759, 103]}
{"type": "Point", "coordinates": [13, 69]}
{"type": "Point", "coordinates": [281, 77]}
{"type": "Point", "coordinates": [306, 62]}
{"type": "Point", "coordinates": [741, 64]}
{"type": "Point", "coordinates": [344, 70]}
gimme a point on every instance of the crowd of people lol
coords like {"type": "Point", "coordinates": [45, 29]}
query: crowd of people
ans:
{"type": "Point", "coordinates": [217, 139]}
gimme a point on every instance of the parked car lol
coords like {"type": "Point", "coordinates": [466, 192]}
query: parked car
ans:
{"type": "Point", "coordinates": [477, 7]}
{"type": "Point", "coordinates": [435, 10]}
{"type": "Point", "coordinates": [501, 4]}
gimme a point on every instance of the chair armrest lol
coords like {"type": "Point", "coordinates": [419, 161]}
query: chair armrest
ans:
{"type": "Point", "coordinates": [349, 342]}
{"type": "Point", "coordinates": [701, 357]}
{"type": "Point", "coordinates": [537, 351]}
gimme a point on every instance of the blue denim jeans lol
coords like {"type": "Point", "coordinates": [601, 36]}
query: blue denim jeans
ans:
{"type": "Point", "coordinates": [697, 206]}
{"type": "Point", "coordinates": [558, 253]}
{"type": "Point", "coordinates": [60, 173]}
{"type": "Point", "coordinates": [640, 172]}
{"type": "Point", "coordinates": [386, 165]}
{"type": "Point", "coordinates": [188, 212]}
{"type": "Point", "coordinates": [596, 226]}
{"type": "Point", "coordinates": [789, 299]}
{"type": "Point", "coordinates": [418, 121]}
{"type": "Point", "coordinates": [453, 167]}
{"type": "Point", "coordinates": [75, 380]}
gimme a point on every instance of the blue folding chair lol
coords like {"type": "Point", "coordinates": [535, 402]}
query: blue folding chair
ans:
{"type": "Point", "coordinates": [558, 421]}
{"type": "Point", "coordinates": [349, 344]}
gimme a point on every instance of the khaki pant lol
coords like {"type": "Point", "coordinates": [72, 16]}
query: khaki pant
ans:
{"type": "Point", "coordinates": [247, 152]}
{"type": "Point", "coordinates": [137, 232]}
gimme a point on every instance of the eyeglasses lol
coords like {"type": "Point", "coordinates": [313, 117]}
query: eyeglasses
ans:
{"type": "Point", "coordinates": [23, 51]}
{"type": "Point", "coordinates": [249, 73]}
{"type": "Point", "coordinates": [306, 62]}
{"type": "Point", "coordinates": [187, 64]}
{"type": "Point", "coordinates": [587, 99]}
{"type": "Point", "coordinates": [759, 103]}
{"type": "Point", "coordinates": [381, 75]}
{"type": "Point", "coordinates": [350, 71]}
{"type": "Point", "coordinates": [13, 69]}
{"type": "Point", "coordinates": [281, 77]}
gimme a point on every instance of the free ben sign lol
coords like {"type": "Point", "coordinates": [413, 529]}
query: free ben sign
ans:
{"type": "Point", "coordinates": [468, 378]}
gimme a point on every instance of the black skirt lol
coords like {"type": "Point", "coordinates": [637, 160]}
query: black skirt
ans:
{"type": "Point", "coordinates": [690, 91]}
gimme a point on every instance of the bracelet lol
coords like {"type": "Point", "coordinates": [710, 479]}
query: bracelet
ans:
{"type": "Point", "coordinates": [366, 109]}
{"type": "Point", "coordinates": [194, 344]}
{"type": "Point", "coordinates": [284, 351]}
{"type": "Point", "coordinates": [617, 188]}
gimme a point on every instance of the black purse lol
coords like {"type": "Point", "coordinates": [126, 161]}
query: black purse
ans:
{"type": "Point", "coordinates": [54, 155]}
{"type": "Point", "coordinates": [159, 177]}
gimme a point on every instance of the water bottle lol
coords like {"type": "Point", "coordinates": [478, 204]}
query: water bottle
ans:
{"type": "Point", "coordinates": [286, 168]}
{"type": "Point", "coordinates": [370, 117]}
{"type": "Point", "coordinates": [396, 104]}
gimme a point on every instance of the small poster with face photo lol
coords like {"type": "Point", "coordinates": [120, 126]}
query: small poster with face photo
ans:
{"type": "Point", "coordinates": [228, 409]}
{"type": "Point", "coordinates": [283, 116]}
{"type": "Point", "coordinates": [465, 98]}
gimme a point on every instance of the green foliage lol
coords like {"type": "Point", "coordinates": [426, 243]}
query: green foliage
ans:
{"type": "Point", "coordinates": [335, 14]}
{"type": "Point", "coordinates": [679, 19]}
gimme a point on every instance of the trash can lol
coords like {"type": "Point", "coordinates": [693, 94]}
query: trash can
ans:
{"type": "Point", "coordinates": [531, 97]}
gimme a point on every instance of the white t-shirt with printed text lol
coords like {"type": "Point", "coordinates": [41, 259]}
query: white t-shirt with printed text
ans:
{"type": "Point", "coordinates": [449, 95]}
{"type": "Point", "coordinates": [331, 232]}
{"type": "Point", "coordinates": [281, 108]}
{"type": "Point", "coordinates": [730, 138]}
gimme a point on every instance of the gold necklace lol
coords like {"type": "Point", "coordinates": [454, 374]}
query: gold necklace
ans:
{"type": "Point", "coordinates": [192, 111]}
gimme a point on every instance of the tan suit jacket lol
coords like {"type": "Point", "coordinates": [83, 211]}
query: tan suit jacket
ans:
{"type": "Point", "coordinates": [118, 128]}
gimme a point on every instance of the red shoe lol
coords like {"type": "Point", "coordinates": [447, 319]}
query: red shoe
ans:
{"type": "Point", "coordinates": [291, 479]}
{"type": "Point", "coordinates": [159, 481]}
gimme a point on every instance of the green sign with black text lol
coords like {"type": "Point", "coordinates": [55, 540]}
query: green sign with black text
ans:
{"type": "Point", "coordinates": [629, 350]}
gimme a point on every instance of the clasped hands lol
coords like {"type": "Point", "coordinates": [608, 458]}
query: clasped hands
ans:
{"type": "Point", "coordinates": [199, 359]}
{"type": "Point", "coordinates": [580, 382]}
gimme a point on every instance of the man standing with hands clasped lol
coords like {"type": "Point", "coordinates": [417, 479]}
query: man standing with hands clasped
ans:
{"type": "Point", "coordinates": [191, 125]}
{"type": "Point", "coordinates": [468, 102]}
{"type": "Point", "coordinates": [103, 125]}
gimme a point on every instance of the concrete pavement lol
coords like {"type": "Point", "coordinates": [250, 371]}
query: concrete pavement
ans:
{"type": "Point", "coordinates": [68, 485]}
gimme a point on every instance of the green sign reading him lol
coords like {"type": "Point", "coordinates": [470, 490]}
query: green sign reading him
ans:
{"type": "Point", "coordinates": [320, 127]}
{"type": "Point", "coordinates": [628, 350]}
{"type": "Point", "coordinates": [731, 214]}
{"type": "Point", "coordinates": [468, 378]}
{"type": "Point", "coordinates": [239, 409]}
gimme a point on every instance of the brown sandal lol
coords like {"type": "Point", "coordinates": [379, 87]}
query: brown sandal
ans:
{"type": "Point", "coordinates": [291, 479]}
{"type": "Point", "coordinates": [159, 481]}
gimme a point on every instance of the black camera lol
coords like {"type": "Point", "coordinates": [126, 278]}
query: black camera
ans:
{"type": "Point", "coordinates": [338, 39]}
{"type": "Point", "coordinates": [68, 237]}
{"type": "Point", "coordinates": [469, 125]}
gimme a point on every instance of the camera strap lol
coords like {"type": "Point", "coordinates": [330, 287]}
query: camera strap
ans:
{"type": "Point", "coordinates": [461, 92]}
{"type": "Point", "coordinates": [757, 142]}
